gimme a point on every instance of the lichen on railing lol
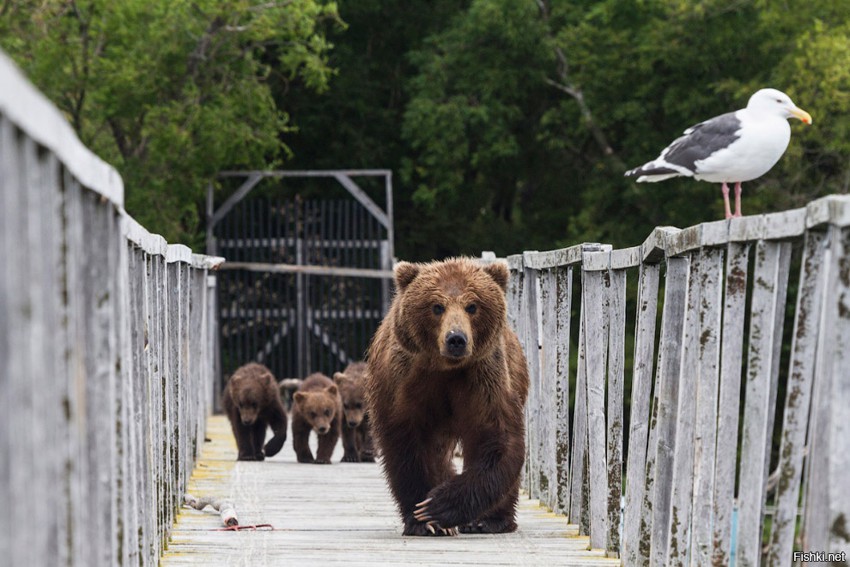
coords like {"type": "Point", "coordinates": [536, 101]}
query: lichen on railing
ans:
{"type": "Point", "coordinates": [105, 352]}
{"type": "Point", "coordinates": [722, 289]}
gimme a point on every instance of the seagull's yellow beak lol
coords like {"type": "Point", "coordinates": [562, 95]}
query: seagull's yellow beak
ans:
{"type": "Point", "coordinates": [802, 115]}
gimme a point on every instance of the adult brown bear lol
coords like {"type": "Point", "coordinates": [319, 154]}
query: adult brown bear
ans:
{"type": "Point", "coordinates": [445, 367]}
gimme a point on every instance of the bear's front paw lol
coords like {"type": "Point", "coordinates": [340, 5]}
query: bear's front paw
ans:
{"type": "Point", "coordinates": [321, 462]}
{"type": "Point", "coordinates": [305, 458]}
{"type": "Point", "coordinates": [259, 456]}
{"type": "Point", "coordinates": [415, 528]}
{"type": "Point", "coordinates": [436, 510]}
{"type": "Point", "coordinates": [350, 458]}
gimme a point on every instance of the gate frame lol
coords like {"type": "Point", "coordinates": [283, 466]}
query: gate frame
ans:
{"type": "Point", "coordinates": [344, 178]}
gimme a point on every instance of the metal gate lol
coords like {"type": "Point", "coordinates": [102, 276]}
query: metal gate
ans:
{"type": "Point", "coordinates": [306, 281]}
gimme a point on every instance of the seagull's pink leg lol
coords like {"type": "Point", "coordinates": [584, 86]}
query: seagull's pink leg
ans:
{"type": "Point", "coordinates": [738, 199]}
{"type": "Point", "coordinates": [725, 189]}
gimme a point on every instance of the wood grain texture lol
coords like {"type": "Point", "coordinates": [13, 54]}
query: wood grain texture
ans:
{"type": "Point", "coordinates": [647, 306]}
{"type": "Point", "coordinates": [341, 514]}
{"type": "Point", "coordinates": [767, 287]}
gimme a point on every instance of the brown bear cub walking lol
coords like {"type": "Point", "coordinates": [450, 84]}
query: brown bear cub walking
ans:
{"type": "Point", "coordinates": [356, 431]}
{"type": "Point", "coordinates": [445, 367]}
{"type": "Point", "coordinates": [316, 406]}
{"type": "Point", "coordinates": [252, 403]}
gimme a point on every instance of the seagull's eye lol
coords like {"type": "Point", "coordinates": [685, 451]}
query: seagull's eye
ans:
{"type": "Point", "coordinates": [779, 100]}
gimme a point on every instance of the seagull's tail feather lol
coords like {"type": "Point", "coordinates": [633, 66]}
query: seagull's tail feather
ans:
{"type": "Point", "coordinates": [653, 172]}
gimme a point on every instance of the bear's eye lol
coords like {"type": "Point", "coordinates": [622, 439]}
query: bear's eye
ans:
{"type": "Point", "coordinates": [438, 309]}
{"type": "Point", "coordinates": [358, 406]}
{"type": "Point", "coordinates": [327, 413]}
{"type": "Point", "coordinates": [471, 308]}
{"type": "Point", "coordinates": [312, 415]}
{"type": "Point", "coordinates": [347, 406]}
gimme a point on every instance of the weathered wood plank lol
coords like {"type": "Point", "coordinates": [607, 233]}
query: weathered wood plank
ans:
{"type": "Point", "coordinates": [759, 377]}
{"type": "Point", "coordinates": [795, 416]}
{"type": "Point", "coordinates": [595, 291]}
{"type": "Point", "coordinates": [564, 282]}
{"type": "Point", "coordinates": [616, 370]}
{"type": "Point", "coordinates": [355, 522]}
{"type": "Point", "coordinates": [827, 507]}
{"type": "Point", "coordinates": [530, 292]}
{"type": "Point", "coordinates": [705, 426]}
{"type": "Point", "coordinates": [644, 354]}
{"type": "Point", "coordinates": [683, 452]}
{"type": "Point", "coordinates": [548, 385]}
{"type": "Point", "coordinates": [729, 400]}
{"type": "Point", "coordinates": [839, 369]}
{"type": "Point", "coordinates": [578, 462]}
{"type": "Point", "coordinates": [660, 464]}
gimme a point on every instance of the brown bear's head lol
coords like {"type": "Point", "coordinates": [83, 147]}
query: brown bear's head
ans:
{"type": "Point", "coordinates": [318, 407]}
{"type": "Point", "coordinates": [353, 393]}
{"type": "Point", "coordinates": [455, 308]}
{"type": "Point", "coordinates": [248, 396]}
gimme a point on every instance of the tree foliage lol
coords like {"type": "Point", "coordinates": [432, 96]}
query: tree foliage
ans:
{"type": "Point", "coordinates": [171, 91]}
{"type": "Point", "coordinates": [599, 84]}
{"type": "Point", "coordinates": [509, 123]}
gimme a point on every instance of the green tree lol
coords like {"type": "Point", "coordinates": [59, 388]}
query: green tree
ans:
{"type": "Point", "coordinates": [171, 91]}
{"type": "Point", "coordinates": [592, 87]}
{"type": "Point", "coordinates": [357, 122]}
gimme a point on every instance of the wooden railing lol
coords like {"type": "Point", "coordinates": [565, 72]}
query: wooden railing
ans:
{"type": "Point", "coordinates": [105, 352]}
{"type": "Point", "coordinates": [723, 290]}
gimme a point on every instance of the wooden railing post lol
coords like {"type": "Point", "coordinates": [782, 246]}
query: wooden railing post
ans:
{"type": "Point", "coordinates": [595, 294]}
{"type": "Point", "coordinates": [827, 500]}
{"type": "Point", "coordinates": [636, 528]}
{"type": "Point", "coordinates": [683, 451]}
{"type": "Point", "coordinates": [103, 387]}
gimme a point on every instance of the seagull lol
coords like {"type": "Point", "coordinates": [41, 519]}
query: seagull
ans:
{"type": "Point", "coordinates": [731, 148]}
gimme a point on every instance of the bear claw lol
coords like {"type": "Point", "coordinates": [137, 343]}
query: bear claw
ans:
{"type": "Point", "coordinates": [428, 529]}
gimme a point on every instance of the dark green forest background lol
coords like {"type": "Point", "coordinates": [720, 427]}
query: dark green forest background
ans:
{"type": "Point", "coordinates": [508, 124]}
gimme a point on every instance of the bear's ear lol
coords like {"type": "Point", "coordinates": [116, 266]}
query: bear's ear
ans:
{"type": "Point", "coordinates": [332, 390]}
{"type": "Point", "coordinates": [405, 272]}
{"type": "Point", "coordinates": [298, 396]}
{"type": "Point", "coordinates": [499, 272]}
{"type": "Point", "coordinates": [339, 377]}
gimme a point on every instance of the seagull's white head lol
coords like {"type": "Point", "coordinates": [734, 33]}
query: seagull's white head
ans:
{"type": "Point", "coordinates": [777, 102]}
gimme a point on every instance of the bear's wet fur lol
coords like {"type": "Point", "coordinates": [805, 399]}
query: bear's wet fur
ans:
{"type": "Point", "coordinates": [252, 403]}
{"type": "Point", "coordinates": [445, 367]}
{"type": "Point", "coordinates": [316, 406]}
{"type": "Point", "coordinates": [356, 430]}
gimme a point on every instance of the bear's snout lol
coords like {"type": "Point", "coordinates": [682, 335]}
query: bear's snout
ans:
{"type": "Point", "coordinates": [322, 429]}
{"type": "Point", "coordinates": [456, 342]}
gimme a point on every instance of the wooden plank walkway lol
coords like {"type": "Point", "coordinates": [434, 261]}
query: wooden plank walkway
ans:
{"type": "Point", "coordinates": [341, 514]}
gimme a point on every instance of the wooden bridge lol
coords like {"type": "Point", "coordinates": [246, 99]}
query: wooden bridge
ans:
{"type": "Point", "coordinates": [734, 445]}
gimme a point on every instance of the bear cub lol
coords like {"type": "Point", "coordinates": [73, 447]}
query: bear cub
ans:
{"type": "Point", "coordinates": [252, 403]}
{"type": "Point", "coordinates": [356, 432]}
{"type": "Point", "coordinates": [316, 406]}
{"type": "Point", "coordinates": [444, 367]}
